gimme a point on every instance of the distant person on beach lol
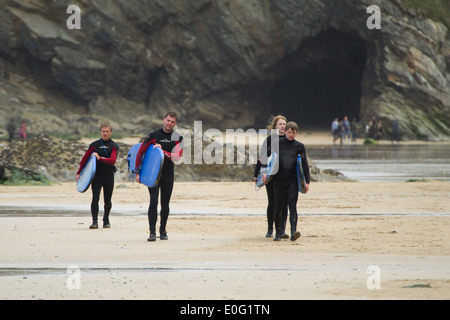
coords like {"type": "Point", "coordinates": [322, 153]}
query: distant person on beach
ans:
{"type": "Point", "coordinates": [171, 143]}
{"type": "Point", "coordinates": [372, 129]}
{"type": "Point", "coordinates": [23, 130]}
{"type": "Point", "coordinates": [346, 128]}
{"type": "Point", "coordinates": [395, 131]}
{"type": "Point", "coordinates": [11, 128]}
{"type": "Point", "coordinates": [354, 129]}
{"type": "Point", "coordinates": [278, 124]}
{"type": "Point", "coordinates": [338, 131]}
{"type": "Point", "coordinates": [285, 180]}
{"type": "Point", "coordinates": [334, 126]}
{"type": "Point", "coordinates": [379, 130]}
{"type": "Point", "coordinates": [106, 151]}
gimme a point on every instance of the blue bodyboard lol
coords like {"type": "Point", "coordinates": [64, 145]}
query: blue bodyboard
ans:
{"type": "Point", "coordinates": [272, 163]}
{"type": "Point", "coordinates": [301, 182]}
{"type": "Point", "coordinates": [87, 174]}
{"type": "Point", "coordinates": [151, 167]}
{"type": "Point", "coordinates": [131, 157]}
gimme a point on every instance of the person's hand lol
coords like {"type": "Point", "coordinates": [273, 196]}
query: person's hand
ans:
{"type": "Point", "coordinates": [78, 177]}
{"type": "Point", "coordinates": [264, 178]}
{"type": "Point", "coordinates": [157, 145]}
{"type": "Point", "coordinates": [96, 155]}
{"type": "Point", "coordinates": [306, 187]}
{"type": "Point", "coordinates": [137, 178]}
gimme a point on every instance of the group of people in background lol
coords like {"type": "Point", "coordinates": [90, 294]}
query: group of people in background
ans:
{"type": "Point", "coordinates": [11, 127]}
{"type": "Point", "coordinates": [343, 129]}
{"type": "Point", "coordinates": [374, 129]}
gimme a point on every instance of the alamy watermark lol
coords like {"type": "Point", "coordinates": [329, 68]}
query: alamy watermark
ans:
{"type": "Point", "coordinates": [374, 280]}
{"type": "Point", "coordinates": [74, 20]}
{"type": "Point", "coordinates": [234, 146]}
{"type": "Point", "coordinates": [74, 279]}
{"type": "Point", "coordinates": [374, 21]}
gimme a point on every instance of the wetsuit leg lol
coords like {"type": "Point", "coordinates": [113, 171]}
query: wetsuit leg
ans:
{"type": "Point", "coordinates": [270, 207]}
{"type": "Point", "coordinates": [108, 188]}
{"type": "Point", "coordinates": [278, 196]}
{"type": "Point", "coordinates": [166, 184]}
{"type": "Point", "coordinates": [153, 208]}
{"type": "Point", "coordinates": [292, 198]}
{"type": "Point", "coordinates": [284, 212]}
{"type": "Point", "coordinates": [96, 188]}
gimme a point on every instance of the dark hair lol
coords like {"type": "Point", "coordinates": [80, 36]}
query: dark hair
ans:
{"type": "Point", "coordinates": [171, 114]}
{"type": "Point", "coordinates": [291, 125]}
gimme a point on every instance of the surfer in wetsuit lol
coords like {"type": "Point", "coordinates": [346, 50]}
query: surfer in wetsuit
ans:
{"type": "Point", "coordinates": [277, 123]}
{"type": "Point", "coordinates": [106, 152]}
{"type": "Point", "coordinates": [171, 144]}
{"type": "Point", "coordinates": [285, 180]}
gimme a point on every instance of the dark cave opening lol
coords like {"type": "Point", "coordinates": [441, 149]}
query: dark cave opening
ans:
{"type": "Point", "coordinates": [322, 81]}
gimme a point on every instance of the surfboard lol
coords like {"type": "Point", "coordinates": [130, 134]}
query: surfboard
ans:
{"type": "Point", "coordinates": [87, 175]}
{"type": "Point", "coordinates": [151, 167]}
{"type": "Point", "coordinates": [301, 182]}
{"type": "Point", "coordinates": [269, 170]}
{"type": "Point", "coordinates": [131, 157]}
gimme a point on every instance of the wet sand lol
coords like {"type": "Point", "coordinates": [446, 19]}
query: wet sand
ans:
{"type": "Point", "coordinates": [217, 249]}
{"type": "Point", "coordinates": [353, 234]}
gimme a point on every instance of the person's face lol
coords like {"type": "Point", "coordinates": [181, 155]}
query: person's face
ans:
{"type": "Point", "coordinates": [105, 133]}
{"type": "Point", "coordinates": [280, 126]}
{"type": "Point", "coordinates": [291, 134]}
{"type": "Point", "coordinates": [169, 123]}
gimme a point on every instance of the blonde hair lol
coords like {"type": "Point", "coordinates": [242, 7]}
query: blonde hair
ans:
{"type": "Point", "coordinates": [272, 123]}
{"type": "Point", "coordinates": [105, 125]}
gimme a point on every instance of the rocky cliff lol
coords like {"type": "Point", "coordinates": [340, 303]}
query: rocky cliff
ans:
{"type": "Point", "coordinates": [35, 160]}
{"type": "Point", "coordinates": [229, 63]}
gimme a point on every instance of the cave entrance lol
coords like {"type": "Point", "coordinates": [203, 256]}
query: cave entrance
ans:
{"type": "Point", "coordinates": [321, 81]}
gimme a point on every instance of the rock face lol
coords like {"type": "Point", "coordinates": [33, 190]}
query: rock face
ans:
{"type": "Point", "coordinates": [57, 160]}
{"type": "Point", "coordinates": [228, 63]}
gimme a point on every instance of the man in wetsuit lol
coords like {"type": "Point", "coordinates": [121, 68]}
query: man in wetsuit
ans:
{"type": "Point", "coordinates": [172, 145]}
{"type": "Point", "coordinates": [106, 152]}
{"type": "Point", "coordinates": [285, 180]}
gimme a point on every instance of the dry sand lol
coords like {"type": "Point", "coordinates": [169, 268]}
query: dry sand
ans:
{"type": "Point", "coordinates": [353, 233]}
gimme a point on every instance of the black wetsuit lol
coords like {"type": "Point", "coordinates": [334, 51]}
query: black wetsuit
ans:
{"type": "Point", "coordinates": [104, 175]}
{"type": "Point", "coordinates": [172, 146]}
{"type": "Point", "coordinates": [267, 145]}
{"type": "Point", "coordinates": [285, 181]}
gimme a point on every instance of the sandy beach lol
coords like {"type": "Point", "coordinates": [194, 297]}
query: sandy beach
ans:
{"type": "Point", "coordinates": [217, 249]}
{"type": "Point", "coordinates": [359, 241]}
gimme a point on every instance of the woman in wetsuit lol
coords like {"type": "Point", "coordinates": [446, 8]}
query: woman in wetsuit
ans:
{"type": "Point", "coordinates": [278, 124]}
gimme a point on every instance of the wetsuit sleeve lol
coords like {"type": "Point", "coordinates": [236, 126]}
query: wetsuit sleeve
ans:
{"type": "Point", "coordinates": [266, 151]}
{"type": "Point", "coordinates": [85, 158]}
{"type": "Point", "coordinates": [112, 159]}
{"type": "Point", "coordinates": [140, 154]}
{"type": "Point", "coordinates": [257, 168]}
{"type": "Point", "coordinates": [177, 151]}
{"type": "Point", "coordinates": [305, 164]}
